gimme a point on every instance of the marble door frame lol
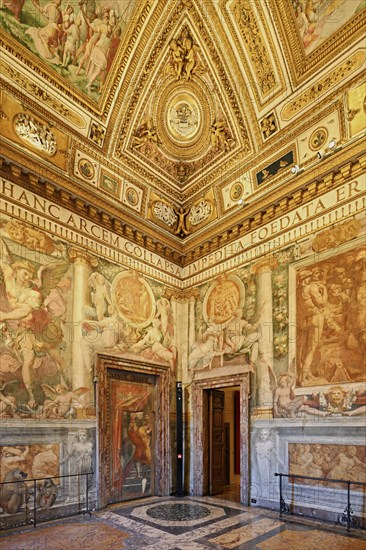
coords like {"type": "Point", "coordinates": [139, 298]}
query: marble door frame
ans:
{"type": "Point", "coordinates": [106, 366]}
{"type": "Point", "coordinates": [200, 431]}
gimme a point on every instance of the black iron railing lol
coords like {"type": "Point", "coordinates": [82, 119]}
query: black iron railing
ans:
{"type": "Point", "coordinates": [347, 518]}
{"type": "Point", "coordinates": [45, 491]}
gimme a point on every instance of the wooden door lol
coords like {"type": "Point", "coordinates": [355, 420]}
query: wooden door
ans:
{"type": "Point", "coordinates": [216, 442]}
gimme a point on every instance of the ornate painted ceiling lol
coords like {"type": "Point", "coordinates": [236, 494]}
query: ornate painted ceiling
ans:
{"type": "Point", "coordinates": [180, 123]}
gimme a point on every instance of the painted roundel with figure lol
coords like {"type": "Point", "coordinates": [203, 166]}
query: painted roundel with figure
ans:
{"type": "Point", "coordinates": [133, 298]}
{"type": "Point", "coordinates": [224, 298]}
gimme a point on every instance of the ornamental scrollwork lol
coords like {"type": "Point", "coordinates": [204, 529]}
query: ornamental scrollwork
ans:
{"type": "Point", "coordinates": [200, 212]}
{"type": "Point", "coordinates": [164, 213]}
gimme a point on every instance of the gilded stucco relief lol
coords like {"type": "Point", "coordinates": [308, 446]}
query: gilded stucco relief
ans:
{"type": "Point", "coordinates": [32, 132]}
{"type": "Point", "coordinates": [356, 109]}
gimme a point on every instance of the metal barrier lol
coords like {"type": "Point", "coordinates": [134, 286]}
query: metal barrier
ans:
{"type": "Point", "coordinates": [44, 496]}
{"type": "Point", "coordinates": [347, 518]}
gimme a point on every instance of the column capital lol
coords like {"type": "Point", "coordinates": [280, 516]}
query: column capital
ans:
{"type": "Point", "coordinates": [264, 265]}
{"type": "Point", "coordinates": [182, 295]}
{"type": "Point", "coordinates": [78, 256]}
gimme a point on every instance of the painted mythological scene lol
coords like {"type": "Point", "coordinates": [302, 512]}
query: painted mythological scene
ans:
{"type": "Point", "coordinates": [77, 38]}
{"type": "Point", "coordinates": [60, 307]}
{"type": "Point", "coordinates": [346, 462]}
{"type": "Point", "coordinates": [331, 320]}
{"type": "Point", "coordinates": [317, 20]}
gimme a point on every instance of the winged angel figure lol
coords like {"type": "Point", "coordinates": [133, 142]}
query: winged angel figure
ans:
{"type": "Point", "coordinates": [32, 311]}
{"type": "Point", "coordinates": [60, 401]}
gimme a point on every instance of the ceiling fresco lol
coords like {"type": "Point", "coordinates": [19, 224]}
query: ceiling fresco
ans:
{"type": "Point", "coordinates": [173, 115]}
{"type": "Point", "coordinates": [76, 39]}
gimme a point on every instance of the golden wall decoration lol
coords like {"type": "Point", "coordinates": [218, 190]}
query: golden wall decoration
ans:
{"type": "Point", "coordinates": [39, 137]}
{"type": "Point", "coordinates": [39, 92]}
{"type": "Point", "coordinates": [324, 85]}
{"type": "Point", "coordinates": [257, 45]}
{"type": "Point", "coordinates": [356, 109]}
{"type": "Point", "coordinates": [318, 139]}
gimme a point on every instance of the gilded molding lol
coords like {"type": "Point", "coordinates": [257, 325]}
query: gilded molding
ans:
{"type": "Point", "coordinates": [256, 45]}
{"type": "Point", "coordinates": [253, 18]}
{"type": "Point", "coordinates": [129, 114]}
{"type": "Point", "coordinates": [40, 94]}
{"type": "Point", "coordinates": [324, 84]}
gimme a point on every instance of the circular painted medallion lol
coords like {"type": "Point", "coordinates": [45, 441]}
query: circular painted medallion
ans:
{"type": "Point", "coordinates": [86, 169]}
{"type": "Point", "coordinates": [224, 297]}
{"type": "Point", "coordinates": [131, 196]}
{"type": "Point", "coordinates": [133, 299]}
{"type": "Point", "coordinates": [236, 191]}
{"type": "Point", "coordinates": [318, 139]}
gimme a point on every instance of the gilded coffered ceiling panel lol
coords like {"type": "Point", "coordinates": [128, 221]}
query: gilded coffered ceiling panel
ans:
{"type": "Point", "coordinates": [183, 121]}
{"type": "Point", "coordinates": [255, 47]}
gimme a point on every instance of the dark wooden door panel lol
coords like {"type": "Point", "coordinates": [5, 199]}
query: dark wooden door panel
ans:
{"type": "Point", "coordinates": [216, 441]}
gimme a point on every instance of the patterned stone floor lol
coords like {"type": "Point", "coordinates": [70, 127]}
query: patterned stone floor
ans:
{"type": "Point", "coordinates": [189, 523]}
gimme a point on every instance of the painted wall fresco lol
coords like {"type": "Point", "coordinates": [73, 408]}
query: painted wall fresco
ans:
{"type": "Point", "coordinates": [58, 308]}
{"type": "Point", "coordinates": [226, 327]}
{"type": "Point", "coordinates": [78, 39]}
{"type": "Point", "coordinates": [44, 457]}
{"type": "Point", "coordinates": [346, 462]}
{"type": "Point", "coordinates": [132, 460]}
{"type": "Point", "coordinates": [232, 328]}
{"type": "Point", "coordinates": [21, 462]}
{"type": "Point", "coordinates": [330, 323]}
{"type": "Point", "coordinates": [317, 20]}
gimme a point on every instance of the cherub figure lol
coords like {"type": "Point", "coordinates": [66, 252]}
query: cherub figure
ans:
{"type": "Point", "coordinates": [177, 54]}
{"type": "Point", "coordinates": [60, 401]}
{"type": "Point", "coordinates": [285, 403]}
{"type": "Point", "coordinates": [218, 134]}
{"type": "Point", "coordinates": [101, 293]}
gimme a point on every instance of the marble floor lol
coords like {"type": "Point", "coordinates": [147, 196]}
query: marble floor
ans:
{"type": "Point", "coordinates": [188, 523]}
